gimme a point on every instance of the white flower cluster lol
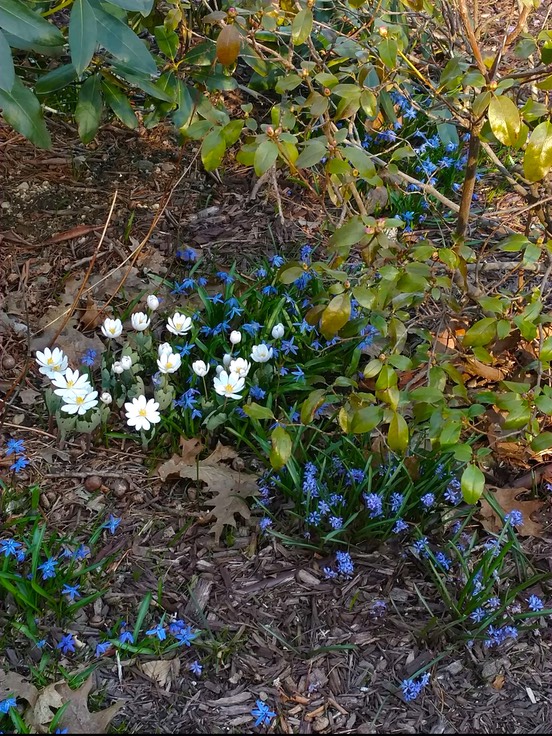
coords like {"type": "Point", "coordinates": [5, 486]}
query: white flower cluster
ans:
{"type": "Point", "coordinates": [75, 389]}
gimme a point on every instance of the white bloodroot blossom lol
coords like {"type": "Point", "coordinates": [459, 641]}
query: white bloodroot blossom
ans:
{"type": "Point", "coordinates": [219, 369]}
{"type": "Point", "coordinates": [164, 349]}
{"type": "Point", "coordinates": [169, 363]}
{"type": "Point", "coordinates": [226, 360]}
{"type": "Point", "coordinates": [112, 328]}
{"type": "Point", "coordinates": [278, 331]}
{"type": "Point", "coordinates": [126, 362]}
{"type": "Point", "coordinates": [51, 362]}
{"type": "Point", "coordinates": [106, 398]}
{"type": "Point", "coordinates": [71, 382]}
{"type": "Point", "coordinates": [117, 367]}
{"type": "Point", "coordinates": [235, 337]}
{"type": "Point", "coordinates": [179, 324]}
{"type": "Point", "coordinates": [229, 385]}
{"type": "Point", "coordinates": [261, 353]}
{"type": "Point", "coordinates": [79, 403]}
{"type": "Point", "coordinates": [152, 302]}
{"type": "Point", "coordinates": [240, 366]}
{"type": "Point", "coordinates": [141, 414]}
{"type": "Point", "coordinates": [140, 321]}
{"type": "Point", "coordinates": [200, 368]}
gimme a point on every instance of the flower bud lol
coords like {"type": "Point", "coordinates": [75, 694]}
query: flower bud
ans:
{"type": "Point", "coordinates": [117, 367]}
{"type": "Point", "coordinates": [106, 398]}
{"type": "Point", "coordinates": [235, 337]}
{"type": "Point", "coordinates": [278, 331]}
{"type": "Point", "coordinates": [152, 302]}
{"type": "Point", "coordinates": [219, 369]}
{"type": "Point", "coordinates": [200, 368]}
{"type": "Point", "coordinates": [226, 360]}
{"type": "Point", "coordinates": [164, 349]}
{"type": "Point", "coordinates": [126, 362]}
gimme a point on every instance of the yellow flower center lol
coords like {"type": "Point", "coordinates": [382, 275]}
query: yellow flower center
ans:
{"type": "Point", "coordinates": [169, 364]}
{"type": "Point", "coordinates": [229, 388]}
{"type": "Point", "coordinates": [79, 400]}
{"type": "Point", "coordinates": [50, 361]}
{"type": "Point", "coordinates": [142, 412]}
{"type": "Point", "coordinates": [70, 384]}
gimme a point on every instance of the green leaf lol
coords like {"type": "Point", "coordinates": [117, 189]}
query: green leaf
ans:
{"type": "Point", "coordinates": [313, 401]}
{"type": "Point", "coordinates": [287, 83]}
{"type": "Point", "coordinates": [312, 153]}
{"type": "Point", "coordinates": [537, 161]}
{"type": "Point", "coordinates": [472, 484]}
{"type": "Point", "coordinates": [301, 26]}
{"type": "Point", "coordinates": [122, 42]}
{"type": "Point", "coordinates": [265, 156]}
{"type": "Point", "coordinates": [167, 41]}
{"type": "Point", "coordinates": [336, 315]}
{"type": "Point", "coordinates": [7, 70]}
{"type": "Point", "coordinates": [82, 35]}
{"type": "Point", "coordinates": [213, 149]}
{"type": "Point", "coordinates": [118, 102]}
{"type": "Point", "coordinates": [56, 79]}
{"type": "Point", "coordinates": [201, 55]}
{"type": "Point", "coordinates": [481, 333]}
{"type": "Point", "coordinates": [387, 49]}
{"type": "Point", "coordinates": [21, 109]}
{"type": "Point", "coordinates": [542, 442]}
{"type": "Point", "coordinates": [290, 272]}
{"type": "Point", "coordinates": [546, 350]}
{"type": "Point", "coordinates": [138, 6]}
{"type": "Point", "coordinates": [349, 234]}
{"type": "Point", "coordinates": [361, 161]}
{"type": "Point", "coordinates": [19, 19]}
{"type": "Point", "coordinates": [281, 448]}
{"type": "Point", "coordinates": [232, 131]}
{"type": "Point", "coordinates": [256, 411]}
{"type": "Point", "coordinates": [369, 103]}
{"type": "Point", "coordinates": [150, 88]}
{"type": "Point", "coordinates": [365, 419]}
{"type": "Point", "coordinates": [504, 119]}
{"type": "Point", "coordinates": [88, 111]}
{"type": "Point", "coordinates": [397, 434]}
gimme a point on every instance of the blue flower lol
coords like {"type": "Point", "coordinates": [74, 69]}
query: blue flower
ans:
{"type": "Point", "coordinates": [374, 504]}
{"type": "Point", "coordinates": [298, 373]}
{"type": "Point", "coordinates": [19, 464]}
{"type": "Point", "coordinates": [251, 328]}
{"type": "Point", "coordinates": [305, 254]}
{"type": "Point", "coordinates": [222, 327]}
{"type": "Point", "coordinates": [284, 371]}
{"type": "Point", "coordinates": [428, 500]}
{"type": "Point", "coordinates": [158, 631]}
{"type": "Point", "coordinates": [201, 281]}
{"type": "Point", "coordinates": [240, 412]}
{"type": "Point", "coordinates": [41, 643]}
{"type": "Point", "coordinates": [443, 560]}
{"type": "Point", "coordinates": [514, 517]}
{"type": "Point", "coordinates": [412, 688]}
{"type": "Point", "coordinates": [188, 254]}
{"type": "Point", "coordinates": [453, 493]}
{"type": "Point", "coordinates": [269, 290]}
{"type": "Point", "coordinates": [196, 668]}
{"type": "Point", "coordinates": [217, 298]}
{"type": "Point", "coordinates": [336, 522]}
{"type": "Point", "coordinates": [288, 346]}
{"type": "Point", "coordinates": [500, 635]}
{"type": "Point", "coordinates": [478, 615]}
{"type": "Point", "coordinates": [264, 523]}
{"type": "Point", "coordinates": [111, 524]}
{"type": "Point", "coordinates": [82, 552]}
{"type": "Point", "coordinates": [257, 393]}
{"type": "Point", "coordinates": [344, 563]}
{"type": "Point", "coordinates": [314, 518]}
{"type": "Point", "coordinates": [48, 568]}
{"type": "Point", "coordinates": [185, 349]}
{"type": "Point", "coordinates": [14, 447]}
{"type": "Point", "coordinates": [260, 273]}
{"type": "Point", "coordinates": [400, 526]}
{"type": "Point", "coordinates": [185, 635]}
{"type": "Point", "coordinates": [262, 713]}
{"type": "Point", "coordinates": [183, 287]}
{"type": "Point", "coordinates": [89, 357]}
{"type": "Point", "coordinates": [494, 546]}
{"type": "Point", "coordinates": [10, 547]}
{"type": "Point", "coordinates": [102, 648]}
{"type": "Point", "coordinates": [61, 730]}
{"type": "Point", "coordinates": [420, 546]}
{"type": "Point", "coordinates": [225, 278]}
{"type": "Point", "coordinates": [6, 704]}
{"type": "Point", "coordinates": [397, 500]}
{"type": "Point", "coordinates": [329, 574]}
{"type": "Point", "coordinates": [126, 637]}
{"type": "Point", "coordinates": [67, 644]}
{"type": "Point", "coordinates": [71, 591]}
{"type": "Point", "coordinates": [276, 261]}
{"type": "Point", "coordinates": [535, 603]}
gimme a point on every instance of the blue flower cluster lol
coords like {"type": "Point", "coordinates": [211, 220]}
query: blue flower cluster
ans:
{"type": "Point", "coordinates": [17, 449]}
{"type": "Point", "coordinates": [412, 688]}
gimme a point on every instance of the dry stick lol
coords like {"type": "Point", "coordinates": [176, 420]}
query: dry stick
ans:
{"type": "Point", "coordinates": [503, 170]}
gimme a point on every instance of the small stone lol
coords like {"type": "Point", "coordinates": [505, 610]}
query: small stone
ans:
{"type": "Point", "coordinates": [167, 167]}
{"type": "Point", "coordinates": [93, 483]}
{"type": "Point", "coordinates": [23, 186]}
{"type": "Point", "coordinates": [119, 486]}
{"type": "Point", "coordinates": [8, 362]}
{"type": "Point", "coordinates": [5, 205]}
{"type": "Point", "coordinates": [320, 723]}
{"type": "Point", "coordinates": [304, 576]}
{"type": "Point", "coordinates": [455, 667]}
{"type": "Point", "coordinates": [144, 165]}
{"type": "Point", "coordinates": [138, 498]}
{"type": "Point", "coordinates": [238, 464]}
{"type": "Point", "coordinates": [490, 670]}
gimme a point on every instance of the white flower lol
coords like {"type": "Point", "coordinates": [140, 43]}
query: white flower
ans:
{"type": "Point", "coordinates": [71, 382]}
{"type": "Point", "coordinates": [164, 349]}
{"type": "Point", "coordinates": [117, 367]}
{"type": "Point", "coordinates": [200, 368]}
{"type": "Point", "coordinates": [112, 327]}
{"type": "Point", "coordinates": [261, 353]}
{"type": "Point", "coordinates": [141, 414]}
{"type": "Point", "coordinates": [152, 302]}
{"type": "Point", "coordinates": [226, 360]}
{"type": "Point", "coordinates": [229, 384]}
{"type": "Point", "coordinates": [278, 331]}
{"type": "Point", "coordinates": [235, 337]}
{"type": "Point", "coordinates": [169, 363]}
{"type": "Point", "coordinates": [106, 398]}
{"type": "Point", "coordinates": [126, 362]}
{"type": "Point", "coordinates": [179, 324]}
{"type": "Point", "coordinates": [140, 321]}
{"type": "Point", "coordinates": [51, 362]}
{"type": "Point", "coordinates": [219, 369]}
{"type": "Point", "coordinates": [79, 403]}
{"type": "Point", "coordinates": [240, 366]}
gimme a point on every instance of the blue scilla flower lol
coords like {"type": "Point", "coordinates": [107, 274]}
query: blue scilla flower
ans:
{"type": "Point", "coordinates": [6, 704]}
{"type": "Point", "coordinates": [195, 668]}
{"type": "Point", "coordinates": [314, 518]}
{"type": "Point", "coordinates": [225, 278]}
{"type": "Point", "coordinates": [305, 254]}
{"type": "Point", "coordinates": [535, 603]}
{"type": "Point", "coordinates": [158, 631]}
{"type": "Point", "coordinates": [355, 475]}
{"type": "Point", "coordinates": [443, 560]}
{"type": "Point", "coordinates": [89, 357]}
{"type": "Point", "coordinates": [66, 644]}
{"type": "Point", "coordinates": [185, 636]}
{"type": "Point", "coordinates": [298, 373]}
{"type": "Point", "coordinates": [71, 591]}
{"type": "Point", "coordinates": [397, 500]}
{"type": "Point", "coordinates": [289, 346]}
{"type": "Point", "coordinates": [19, 464]}
{"type": "Point", "coordinates": [111, 524]}
{"type": "Point", "coordinates": [269, 290]}
{"type": "Point", "coordinates": [514, 517]}
{"type": "Point", "coordinates": [276, 261]}
{"type": "Point", "coordinates": [257, 393]}
{"type": "Point", "coordinates": [9, 547]}
{"type": "Point", "coordinates": [329, 573]}
{"type": "Point", "coordinates": [126, 637]}
{"type": "Point", "coordinates": [102, 648]}
{"type": "Point", "coordinates": [428, 500]}
{"type": "Point", "coordinates": [183, 287]}
{"type": "Point", "coordinates": [420, 545]}
{"type": "Point", "coordinates": [374, 504]}
{"type": "Point", "coordinates": [260, 273]}
{"type": "Point", "coordinates": [188, 255]}
{"type": "Point", "coordinates": [344, 563]}
{"type": "Point", "coordinates": [478, 615]}
{"type": "Point", "coordinates": [336, 522]}
{"type": "Point", "coordinates": [323, 508]}
{"type": "Point", "coordinates": [251, 328]}
{"type": "Point", "coordinates": [48, 568]}
{"type": "Point", "coordinates": [400, 526]}
{"type": "Point", "coordinates": [453, 493]}
{"type": "Point", "coordinates": [409, 112]}
{"type": "Point", "coordinates": [262, 713]}
{"type": "Point", "coordinates": [264, 523]}
{"type": "Point", "coordinates": [217, 298]}
{"type": "Point", "coordinates": [14, 447]}
{"type": "Point", "coordinates": [412, 688]}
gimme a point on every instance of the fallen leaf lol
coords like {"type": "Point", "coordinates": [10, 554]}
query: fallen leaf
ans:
{"type": "Point", "coordinates": [93, 317]}
{"type": "Point", "coordinates": [498, 682]}
{"type": "Point", "coordinates": [74, 232]}
{"type": "Point", "coordinates": [76, 717]}
{"type": "Point", "coordinates": [190, 449]}
{"type": "Point", "coordinates": [162, 671]}
{"type": "Point", "coordinates": [489, 372]}
{"type": "Point", "coordinates": [507, 499]}
{"type": "Point", "coordinates": [11, 683]}
{"type": "Point", "coordinates": [230, 487]}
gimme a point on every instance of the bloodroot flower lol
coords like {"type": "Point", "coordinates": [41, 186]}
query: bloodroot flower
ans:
{"type": "Point", "coordinates": [112, 328]}
{"type": "Point", "coordinates": [229, 385]}
{"type": "Point", "coordinates": [140, 321]}
{"type": "Point", "coordinates": [51, 362]}
{"type": "Point", "coordinates": [179, 324]}
{"type": "Point", "coordinates": [141, 413]}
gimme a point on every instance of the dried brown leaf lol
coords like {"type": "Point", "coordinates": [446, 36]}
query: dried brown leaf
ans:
{"type": "Point", "coordinates": [162, 671]}
{"type": "Point", "coordinates": [74, 232]}
{"type": "Point", "coordinates": [230, 487]}
{"type": "Point", "coordinates": [11, 683]}
{"type": "Point", "coordinates": [190, 449]}
{"type": "Point", "coordinates": [488, 372]}
{"type": "Point", "coordinates": [507, 499]}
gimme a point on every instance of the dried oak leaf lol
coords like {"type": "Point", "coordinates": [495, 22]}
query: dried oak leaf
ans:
{"type": "Point", "coordinates": [76, 718]}
{"type": "Point", "coordinates": [230, 487]}
{"type": "Point", "coordinates": [14, 684]}
{"type": "Point", "coordinates": [507, 499]}
{"type": "Point", "coordinates": [162, 671]}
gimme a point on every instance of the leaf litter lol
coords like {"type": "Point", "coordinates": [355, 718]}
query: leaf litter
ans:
{"type": "Point", "coordinates": [508, 500]}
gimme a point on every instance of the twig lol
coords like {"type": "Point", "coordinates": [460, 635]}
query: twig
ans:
{"type": "Point", "coordinates": [503, 170]}
{"type": "Point", "coordinates": [277, 192]}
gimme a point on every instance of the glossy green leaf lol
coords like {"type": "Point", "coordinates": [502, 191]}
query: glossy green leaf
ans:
{"type": "Point", "coordinates": [16, 17]}
{"type": "Point", "coordinates": [290, 272]}
{"type": "Point", "coordinates": [256, 411]}
{"type": "Point", "coordinates": [387, 49]}
{"type": "Point", "coordinates": [542, 442]}
{"type": "Point", "coordinates": [313, 401]}
{"type": "Point", "coordinates": [167, 40]}
{"type": "Point", "coordinates": [365, 419]}
{"type": "Point", "coordinates": [397, 434]}
{"type": "Point", "coordinates": [349, 234]}
{"type": "Point", "coordinates": [472, 484]}
{"type": "Point", "coordinates": [213, 149]}
{"type": "Point", "coordinates": [301, 26]}
{"type": "Point", "coordinates": [137, 6]}
{"type": "Point", "coordinates": [481, 333]}
{"type": "Point", "coordinates": [56, 79]}
{"type": "Point", "coordinates": [153, 89]}
{"type": "Point", "coordinates": [7, 70]}
{"type": "Point", "coordinates": [82, 35]}
{"type": "Point", "coordinates": [312, 153]}
{"type": "Point", "coordinates": [21, 109]}
{"type": "Point", "coordinates": [88, 111]}
{"type": "Point", "coordinates": [537, 161]}
{"type": "Point", "coordinates": [232, 131]}
{"type": "Point", "coordinates": [504, 119]}
{"type": "Point", "coordinates": [265, 156]}
{"type": "Point", "coordinates": [280, 451]}
{"type": "Point", "coordinates": [336, 315]}
{"type": "Point", "coordinates": [118, 102]}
